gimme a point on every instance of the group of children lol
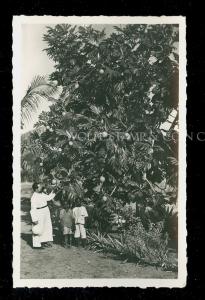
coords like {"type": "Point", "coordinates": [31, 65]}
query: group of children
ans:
{"type": "Point", "coordinates": [73, 221]}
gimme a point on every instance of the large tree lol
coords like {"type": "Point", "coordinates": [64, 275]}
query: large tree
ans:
{"type": "Point", "coordinates": [103, 136]}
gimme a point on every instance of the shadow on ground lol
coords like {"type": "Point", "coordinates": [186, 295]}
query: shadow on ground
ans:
{"type": "Point", "coordinates": [27, 237]}
{"type": "Point", "coordinates": [25, 204]}
{"type": "Point", "coordinates": [57, 239]}
{"type": "Point", "coordinates": [25, 209]}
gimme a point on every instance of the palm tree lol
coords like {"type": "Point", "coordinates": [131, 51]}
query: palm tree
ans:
{"type": "Point", "coordinates": [39, 89]}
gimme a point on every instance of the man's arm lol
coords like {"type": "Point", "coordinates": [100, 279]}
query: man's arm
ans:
{"type": "Point", "coordinates": [50, 196]}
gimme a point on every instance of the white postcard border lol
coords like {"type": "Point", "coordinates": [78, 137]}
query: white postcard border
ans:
{"type": "Point", "coordinates": [102, 282]}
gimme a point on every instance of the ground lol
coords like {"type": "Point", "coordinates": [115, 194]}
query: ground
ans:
{"type": "Point", "coordinates": [58, 262]}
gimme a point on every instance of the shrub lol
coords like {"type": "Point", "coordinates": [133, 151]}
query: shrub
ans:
{"type": "Point", "coordinates": [100, 217]}
{"type": "Point", "coordinates": [148, 244]}
{"type": "Point", "coordinates": [136, 244]}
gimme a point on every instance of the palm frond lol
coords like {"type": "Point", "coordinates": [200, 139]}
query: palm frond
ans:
{"type": "Point", "coordinates": [39, 89]}
{"type": "Point", "coordinates": [41, 84]}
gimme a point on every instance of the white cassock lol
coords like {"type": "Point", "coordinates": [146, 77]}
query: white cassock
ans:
{"type": "Point", "coordinates": [41, 213]}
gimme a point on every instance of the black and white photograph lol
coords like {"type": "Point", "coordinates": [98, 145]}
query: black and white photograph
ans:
{"type": "Point", "coordinates": [99, 159]}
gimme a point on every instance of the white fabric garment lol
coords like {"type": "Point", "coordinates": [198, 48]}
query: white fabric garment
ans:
{"type": "Point", "coordinates": [34, 214]}
{"type": "Point", "coordinates": [79, 213]}
{"type": "Point", "coordinates": [40, 199]}
{"type": "Point", "coordinates": [80, 231]}
{"type": "Point", "coordinates": [42, 216]}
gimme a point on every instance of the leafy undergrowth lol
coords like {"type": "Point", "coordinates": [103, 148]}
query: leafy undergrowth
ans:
{"type": "Point", "coordinates": [137, 245]}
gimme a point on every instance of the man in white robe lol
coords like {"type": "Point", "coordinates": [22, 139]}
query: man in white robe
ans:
{"type": "Point", "coordinates": [40, 215]}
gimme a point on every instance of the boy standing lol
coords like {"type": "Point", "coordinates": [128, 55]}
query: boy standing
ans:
{"type": "Point", "coordinates": [79, 214]}
{"type": "Point", "coordinates": [66, 220]}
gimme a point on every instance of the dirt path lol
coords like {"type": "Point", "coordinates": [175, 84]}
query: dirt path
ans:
{"type": "Point", "coordinates": [58, 262]}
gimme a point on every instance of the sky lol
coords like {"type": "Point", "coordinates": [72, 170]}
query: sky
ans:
{"type": "Point", "coordinates": [36, 62]}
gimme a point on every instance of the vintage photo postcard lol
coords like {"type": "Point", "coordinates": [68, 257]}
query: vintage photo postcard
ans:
{"type": "Point", "coordinates": [99, 151]}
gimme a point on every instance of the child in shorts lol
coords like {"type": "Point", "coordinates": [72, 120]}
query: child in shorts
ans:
{"type": "Point", "coordinates": [66, 220]}
{"type": "Point", "coordinates": [80, 214]}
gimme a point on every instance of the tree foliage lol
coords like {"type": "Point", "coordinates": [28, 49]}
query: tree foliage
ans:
{"type": "Point", "coordinates": [117, 92]}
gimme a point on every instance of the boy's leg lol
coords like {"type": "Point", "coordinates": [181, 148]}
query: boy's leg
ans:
{"type": "Point", "coordinates": [77, 242]}
{"type": "Point", "coordinates": [83, 243]}
{"type": "Point", "coordinates": [62, 235]}
{"type": "Point", "coordinates": [66, 239]}
{"type": "Point", "coordinates": [83, 235]}
{"type": "Point", "coordinates": [70, 240]}
{"type": "Point", "coordinates": [77, 235]}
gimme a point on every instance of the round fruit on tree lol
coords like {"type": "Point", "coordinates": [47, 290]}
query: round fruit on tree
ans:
{"type": "Point", "coordinates": [102, 71]}
{"type": "Point", "coordinates": [104, 134]}
{"type": "Point", "coordinates": [70, 143]}
{"type": "Point", "coordinates": [77, 85]}
{"type": "Point", "coordinates": [41, 164]}
{"type": "Point", "coordinates": [104, 198]}
{"type": "Point", "coordinates": [150, 151]}
{"type": "Point", "coordinates": [102, 178]}
{"type": "Point", "coordinates": [54, 181]}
